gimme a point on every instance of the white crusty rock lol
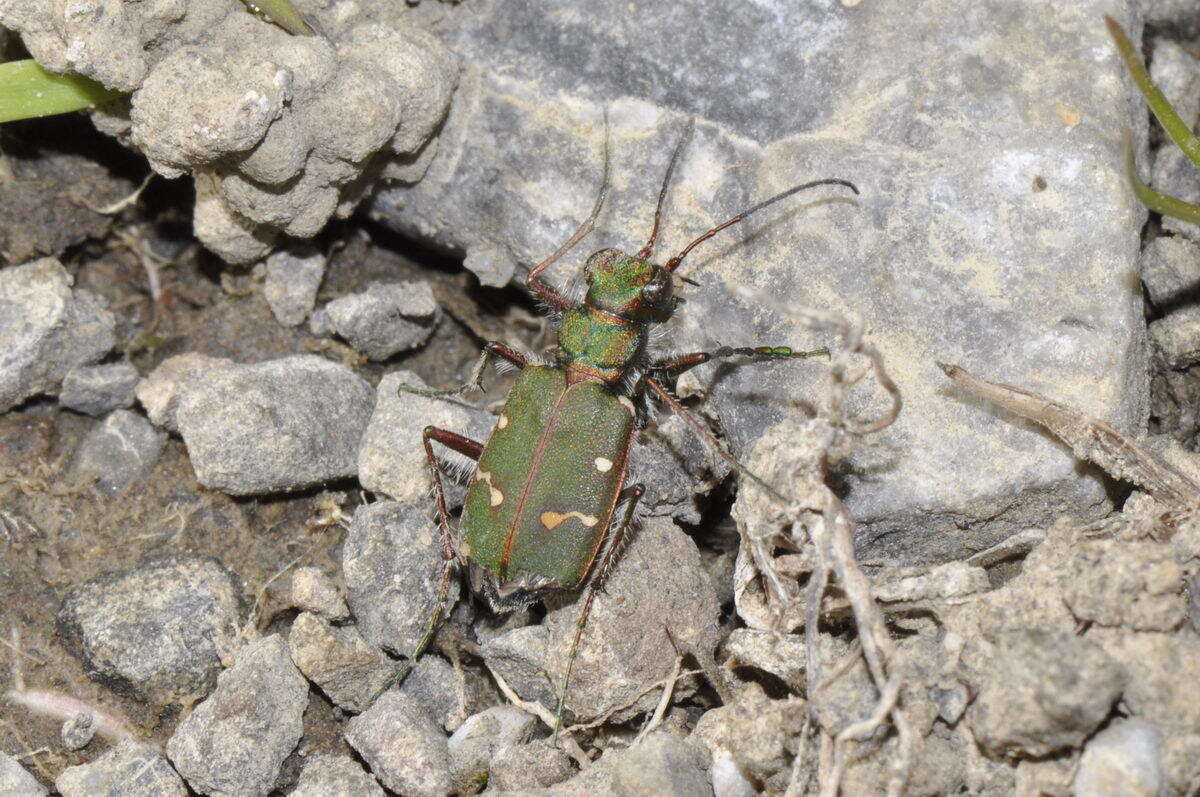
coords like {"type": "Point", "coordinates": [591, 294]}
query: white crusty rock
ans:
{"type": "Point", "coordinates": [130, 769]}
{"type": "Point", "coordinates": [46, 329]}
{"type": "Point", "coordinates": [291, 285]}
{"type": "Point", "coordinates": [285, 131]}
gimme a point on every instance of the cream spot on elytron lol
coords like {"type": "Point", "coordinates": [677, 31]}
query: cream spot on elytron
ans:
{"type": "Point", "coordinates": [551, 520]}
{"type": "Point", "coordinates": [503, 422]}
{"type": "Point", "coordinates": [603, 465]}
{"type": "Point", "coordinates": [495, 497]}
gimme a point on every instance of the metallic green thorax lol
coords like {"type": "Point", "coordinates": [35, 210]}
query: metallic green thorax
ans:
{"type": "Point", "coordinates": [547, 482]}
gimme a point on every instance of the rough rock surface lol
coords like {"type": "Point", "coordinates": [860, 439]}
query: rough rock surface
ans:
{"type": "Point", "coordinates": [1042, 691]}
{"type": "Point", "coordinates": [235, 741]}
{"type": "Point", "coordinates": [403, 746]}
{"type": "Point", "coordinates": [97, 389]}
{"type": "Point", "coordinates": [291, 285]}
{"type": "Point", "coordinates": [117, 451]}
{"type": "Point", "coordinates": [256, 128]}
{"type": "Point", "coordinates": [946, 137]}
{"type": "Point", "coordinates": [159, 393]}
{"type": "Point", "coordinates": [392, 558]}
{"type": "Point", "coordinates": [313, 591]}
{"type": "Point", "coordinates": [477, 740]}
{"type": "Point", "coordinates": [1170, 270]}
{"type": "Point", "coordinates": [129, 769]}
{"type": "Point", "coordinates": [330, 775]}
{"type": "Point", "coordinates": [280, 425]}
{"type": "Point", "coordinates": [16, 781]}
{"type": "Point", "coordinates": [754, 730]}
{"type": "Point", "coordinates": [1123, 759]}
{"type": "Point", "coordinates": [46, 329]}
{"type": "Point", "coordinates": [338, 660]}
{"type": "Point", "coordinates": [386, 318]}
{"type": "Point", "coordinates": [523, 768]}
{"type": "Point", "coordinates": [391, 457]}
{"type": "Point", "coordinates": [661, 764]}
{"type": "Point", "coordinates": [157, 631]}
{"type": "Point", "coordinates": [657, 584]}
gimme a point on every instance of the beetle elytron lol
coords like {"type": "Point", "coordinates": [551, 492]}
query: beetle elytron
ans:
{"type": "Point", "coordinates": [547, 508]}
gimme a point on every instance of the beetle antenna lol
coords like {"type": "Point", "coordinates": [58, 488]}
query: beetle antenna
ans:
{"type": "Point", "coordinates": [674, 262]}
{"type": "Point", "coordinates": [646, 250]}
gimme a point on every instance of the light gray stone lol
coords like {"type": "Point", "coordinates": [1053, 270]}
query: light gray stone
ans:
{"type": "Point", "coordinates": [313, 591]}
{"type": "Point", "coordinates": [524, 768]}
{"type": "Point", "coordinates": [391, 456]}
{"type": "Point", "coordinates": [940, 255]}
{"type": "Point", "coordinates": [97, 389]}
{"type": "Point", "coordinates": [291, 285]}
{"type": "Point", "coordinates": [392, 559]}
{"type": "Point", "coordinates": [235, 741]}
{"type": "Point", "coordinates": [130, 769]}
{"type": "Point", "coordinates": [1176, 338]}
{"type": "Point", "coordinates": [754, 730]}
{"type": "Point", "coordinates": [77, 732]}
{"type": "Point", "coordinates": [117, 451]}
{"type": "Point", "coordinates": [275, 426]}
{"type": "Point", "coordinates": [661, 764]}
{"type": "Point", "coordinates": [46, 329]}
{"type": "Point", "coordinates": [15, 780]}
{"type": "Point", "coordinates": [338, 660]}
{"type": "Point", "coordinates": [657, 584]}
{"type": "Point", "coordinates": [1124, 759]}
{"type": "Point", "coordinates": [330, 775]}
{"type": "Point", "coordinates": [159, 393]}
{"type": "Point", "coordinates": [403, 745]}
{"type": "Point", "coordinates": [477, 740]}
{"type": "Point", "coordinates": [1170, 268]}
{"type": "Point", "coordinates": [157, 631]}
{"type": "Point", "coordinates": [386, 318]}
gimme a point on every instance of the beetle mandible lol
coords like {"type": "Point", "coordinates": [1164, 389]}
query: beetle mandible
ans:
{"type": "Point", "coordinates": [546, 508]}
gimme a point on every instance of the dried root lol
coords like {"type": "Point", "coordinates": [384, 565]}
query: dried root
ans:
{"type": "Point", "coordinates": [814, 536]}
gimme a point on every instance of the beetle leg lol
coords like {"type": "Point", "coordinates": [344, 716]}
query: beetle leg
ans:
{"type": "Point", "coordinates": [492, 349]}
{"type": "Point", "coordinates": [675, 366]}
{"type": "Point", "coordinates": [468, 448]}
{"type": "Point", "coordinates": [611, 546]}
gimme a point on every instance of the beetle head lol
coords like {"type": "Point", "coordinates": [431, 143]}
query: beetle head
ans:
{"type": "Point", "coordinates": [629, 286]}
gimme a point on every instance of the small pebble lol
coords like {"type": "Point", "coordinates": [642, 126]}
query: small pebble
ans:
{"type": "Point", "coordinates": [386, 318]}
{"type": "Point", "coordinates": [98, 389]}
{"type": "Point", "coordinates": [78, 731]}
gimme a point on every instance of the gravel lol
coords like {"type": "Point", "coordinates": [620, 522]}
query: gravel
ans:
{"type": "Point", "coordinates": [277, 426]}
{"type": "Point", "coordinates": [291, 285]}
{"type": "Point", "coordinates": [130, 769]}
{"type": "Point", "coordinates": [98, 389]}
{"type": "Point", "coordinates": [386, 318]}
{"type": "Point", "coordinates": [118, 451]}
{"type": "Point", "coordinates": [331, 775]}
{"type": "Point", "coordinates": [235, 741]}
{"type": "Point", "coordinates": [338, 660]}
{"type": "Point", "coordinates": [47, 329]}
{"type": "Point", "coordinates": [404, 747]}
{"type": "Point", "coordinates": [1125, 758]}
{"type": "Point", "coordinates": [15, 781]}
{"type": "Point", "coordinates": [157, 631]}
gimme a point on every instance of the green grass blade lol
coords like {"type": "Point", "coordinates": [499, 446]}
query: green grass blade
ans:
{"type": "Point", "coordinates": [283, 14]}
{"type": "Point", "coordinates": [1156, 200]}
{"type": "Point", "coordinates": [1179, 132]}
{"type": "Point", "coordinates": [28, 91]}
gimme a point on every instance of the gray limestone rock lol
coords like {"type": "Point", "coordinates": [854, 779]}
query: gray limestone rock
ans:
{"type": "Point", "coordinates": [235, 741]}
{"type": "Point", "coordinates": [657, 584]}
{"type": "Point", "coordinates": [782, 655]}
{"type": "Point", "coordinates": [338, 660]}
{"type": "Point", "coordinates": [523, 768]}
{"type": "Point", "coordinates": [475, 743]}
{"type": "Point", "coordinates": [130, 769]}
{"type": "Point", "coordinates": [1170, 269]}
{"type": "Point", "coordinates": [1125, 758]}
{"type": "Point", "coordinates": [118, 451]}
{"type": "Point", "coordinates": [402, 744]}
{"type": "Point", "coordinates": [331, 775]}
{"type": "Point", "coordinates": [391, 456]}
{"type": "Point", "coordinates": [15, 781]}
{"type": "Point", "coordinates": [661, 764]}
{"type": "Point", "coordinates": [1176, 338]}
{"type": "Point", "coordinates": [755, 730]}
{"type": "Point", "coordinates": [315, 592]}
{"type": "Point", "coordinates": [157, 631]}
{"type": "Point", "coordinates": [291, 285]}
{"type": "Point", "coordinates": [275, 426]}
{"type": "Point", "coordinates": [952, 234]}
{"type": "Point", "coordinates": [1042, 691]}
{"type": "Point", "coordinates": [77, 732]}
{"type": "Point", "coordinates": [159, 393]}
{"type": "Point", "coordinates": [392, 559]}
{"type": "Point", "coordinates": [46, 329]}
{"type": "Point", "coordinates": [676, 466]}
{"type": "Point", "coordinates": [1127, 583]}
{"type": "Point", "coordinates": [98, 389]}
{"type": "Point", "coordinates": [386, 318]}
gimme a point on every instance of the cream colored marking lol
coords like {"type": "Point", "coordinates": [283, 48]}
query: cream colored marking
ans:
{"type": "Point", "coordinates": [495, 497]}
{"type": "Point", "coordinates": [503, 422]}
{"type": "Point", "coordinates": [551, 520]}
{"type": "Point", "coordinates": [627, 404]}
{"type": "Point", "coordinates": [603, 465]}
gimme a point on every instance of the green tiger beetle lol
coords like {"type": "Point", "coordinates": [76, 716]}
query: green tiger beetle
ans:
{"type": "Point", "coordinates": [547, 508]}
